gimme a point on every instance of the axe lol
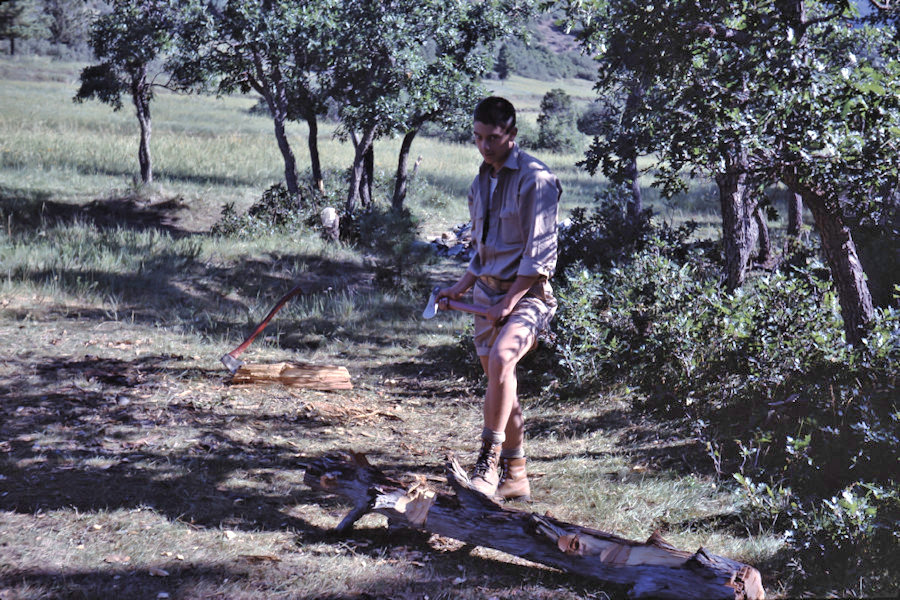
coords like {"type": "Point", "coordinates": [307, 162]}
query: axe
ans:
{"type": "Point", "coordinates": [446, 303]}
{"type": "Point", "coordinates": [230, 360]}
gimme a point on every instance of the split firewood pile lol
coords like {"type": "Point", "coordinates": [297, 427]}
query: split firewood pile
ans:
{"type": "Point", "coordinates": [651, 569]}
{"type": "Point", "coordinates": [317, 377]}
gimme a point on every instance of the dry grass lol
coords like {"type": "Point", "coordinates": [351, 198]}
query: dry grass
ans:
{"type": "Point", "coordinates": [130, 468]}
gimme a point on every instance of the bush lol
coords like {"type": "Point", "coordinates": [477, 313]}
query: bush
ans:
{"type": "Point", "coordinates": [603, 237]}
{"type": "Point", "coordinates": [767, 380]}
{"type": "Point", "coordinates": [460, 134]}
{"type": "Point", "coordinates": [277, 211]}
{"type": "Point", "coordinates": [595, 115]}
{"type": "Point", "coordinates": [877, 238]}
{"type": "Point", "coordinates": [556, 124]}
{"type": "Point", "coordinates": [391, 238]}
{"type": "Point", "coordinates": [505, 64]}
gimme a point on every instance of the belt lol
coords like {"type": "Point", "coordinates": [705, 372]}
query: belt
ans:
{"type": "Point", "coordinates": [496, 284]}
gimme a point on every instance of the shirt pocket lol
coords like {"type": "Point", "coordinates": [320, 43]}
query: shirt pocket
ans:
{"type": "Point", "coordinates": [477, 228]}
{"type": "Point", "coordinates": [510, 227]}
{"type": "Point", "coordinates": [476, 215]}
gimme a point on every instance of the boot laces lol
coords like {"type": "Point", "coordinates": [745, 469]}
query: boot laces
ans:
{"type": "Point", "coordinates": [485, 458]}
{"type": "Point", "coordinates": [503, 469]}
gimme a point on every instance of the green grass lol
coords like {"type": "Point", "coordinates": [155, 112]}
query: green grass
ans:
{"type": "Point", "coordinates": [121, 437]}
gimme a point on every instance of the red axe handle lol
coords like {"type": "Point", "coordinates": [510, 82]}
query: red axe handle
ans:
{"type": "Point", "coordinates": [473, 309]}
{"type": "Point", "coordinates": [237, 351]}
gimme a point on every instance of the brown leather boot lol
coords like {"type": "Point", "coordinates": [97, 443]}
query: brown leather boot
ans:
{"type": "Point", "coordinates": [485, 477]}
{"type": "Point", "coordinates": [513, 483]}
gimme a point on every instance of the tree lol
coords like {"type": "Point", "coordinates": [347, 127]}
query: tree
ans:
{"type": "Point", "coordinates": [557, 128]}
{"type": "Point", "coordinates": [448, 88]}
{"type": "Point", "coordinates": [505, 62]}
{"type": "Point", "coordinates": [756, 92]}
{"type": "Point", "coordinates": [21, 19]}
{"type": "Point", "coordinates": [130, 42]}
{"type": "Point", "coordinates": [402, 63]}
{"type": "Point", "coordinates": [69, 21]}
{"type": "Point", "coordinates": [276, 48]}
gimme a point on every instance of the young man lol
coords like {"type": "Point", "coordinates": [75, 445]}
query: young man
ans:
{"type": "Point", "coordinates": [513, 204]}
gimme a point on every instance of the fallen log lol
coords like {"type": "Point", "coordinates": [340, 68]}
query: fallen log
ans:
{"type": "Point", "coordinates": [651, 569]}
{"type": "Point", "coordinates": [317, 377]}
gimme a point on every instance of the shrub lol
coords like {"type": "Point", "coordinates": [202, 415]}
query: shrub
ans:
{"type": "Point", "coordinates": [505, 64]}
{"type": "Point", "coordinates": [809, 425]}
{"type": "Point", "coordinates": [594, 116]}
{"type": "Point", "coordinates": [459, 134]}
{"type": "Point", "coordinates": [391, 239]}
{"type": "Point", "coordinates": [277, 211]}
{"type": "Point", "coordinates": [877, 238]}
{"type": "Point", "coordinates": [604, 236]}
{"type": "Point", "coordinates": [557, 131]}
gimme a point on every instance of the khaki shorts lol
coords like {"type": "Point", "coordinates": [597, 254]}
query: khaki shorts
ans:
{"type": "Point", "coordinates": [533, 311]}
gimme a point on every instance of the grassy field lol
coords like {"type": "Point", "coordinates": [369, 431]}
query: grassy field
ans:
{"type": "Point", "coordinates": [130, 468]}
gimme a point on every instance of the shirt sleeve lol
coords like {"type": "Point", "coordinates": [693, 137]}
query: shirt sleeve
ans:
{"type": "Point", "coordinates": [475, 262]}
{"type": "Point", "coordinates": [538, 209]}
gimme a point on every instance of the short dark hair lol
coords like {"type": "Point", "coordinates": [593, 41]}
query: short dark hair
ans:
{"type": "Point", "coordinates": [496, 111]}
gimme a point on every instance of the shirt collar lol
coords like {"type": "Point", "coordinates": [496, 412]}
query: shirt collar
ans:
{"type": "Point", "coordinates": [512, 161]}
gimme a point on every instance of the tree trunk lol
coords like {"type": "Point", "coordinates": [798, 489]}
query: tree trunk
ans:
{"type": "Point", "coordinates": [765, 241]}
{"type": "Point", "coordinates": [313, 143]}
{"type": "Point", "coordinates": [142, 109]}
{"type": "Point", "coordinates": [276, 98]}
{"type": "Point", "coordinates": [840, 254]}
{"type": "Point", "coordinates": [632, 104]}
{"type": "Point", "coordinates": [649, 569]}
{"type": "Point", "coordinates": [795, 215]}
{"type": "Point", "coordinates": [361, 146]}
{"type": "Point", "coordinates": [368, 181]}
{"type": "Point", "coordinates": [401, 181]}
{"type": "Point", "coordinates": [739, 230]}
{"type": "Point", "coordinates": [636, 206]}
{"type": "Point", "coordinates": [12, 46]}
{"type": "Point", "coordinates": [290, 163]}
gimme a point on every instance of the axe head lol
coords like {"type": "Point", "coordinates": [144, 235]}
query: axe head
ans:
{"type": "Point", "coordinates": [432, 307]}
{"type": "Point", "coordinates": [232, 363]}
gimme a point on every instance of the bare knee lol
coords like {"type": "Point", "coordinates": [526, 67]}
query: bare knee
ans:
{"type": "Point", "coordinates": [501, 364]}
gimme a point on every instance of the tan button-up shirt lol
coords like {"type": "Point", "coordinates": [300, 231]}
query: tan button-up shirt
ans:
{"type": "Point", "coordinates": [520, 219]}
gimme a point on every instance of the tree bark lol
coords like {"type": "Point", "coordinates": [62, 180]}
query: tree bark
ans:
{"type": "Point", "coordinates": [765, 241]}
{"type": "Point", "coordinates": [141, 103]}
{"type": "Point", "coordinates": [402, 178]}
{"type": "Point", "coordinates": [365, 187]}
{"type": "Point", "coordinates": [290, 163]}
{"type": "Point", "coordinates": [739, 229]}
{"type": "Point", "coordinates": [276, 97]}
{"type": "Point", "coordinates": [840, 253]}
{"type": "Point", "coordinates": [361, 146]}
{"type": "Point", "coordinates": [795, 215]}
{"type": "Point", "coordinates": [649, 569]}
{"type": "Point", "coordinates": [632, 103]}
{"type": "Point", "coordinates": [313, 143]}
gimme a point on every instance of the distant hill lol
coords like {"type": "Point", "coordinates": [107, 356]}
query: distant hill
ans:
{"type": "Point", "coordinates": [550, 54]}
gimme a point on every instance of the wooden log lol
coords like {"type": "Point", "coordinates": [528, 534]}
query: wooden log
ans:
{"type": "Point", "coordinates": [317, 377]}
{"type": "Point", "coordinates": [651, 569]}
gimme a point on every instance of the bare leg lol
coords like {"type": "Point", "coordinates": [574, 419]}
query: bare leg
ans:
{"type": "Point", "coordinates": [502, 411]}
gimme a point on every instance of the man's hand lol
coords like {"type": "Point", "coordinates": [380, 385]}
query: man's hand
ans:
{"type": "Point", "coordinates": [498, 313]}
{"type": "Point", "coordinates": [456, 291]}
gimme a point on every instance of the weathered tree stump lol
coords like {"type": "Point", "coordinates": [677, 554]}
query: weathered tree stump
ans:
{"type": "Point", "coordinates": [651, 569]}
{"type": "Point", "coordinates": [317, 377]}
